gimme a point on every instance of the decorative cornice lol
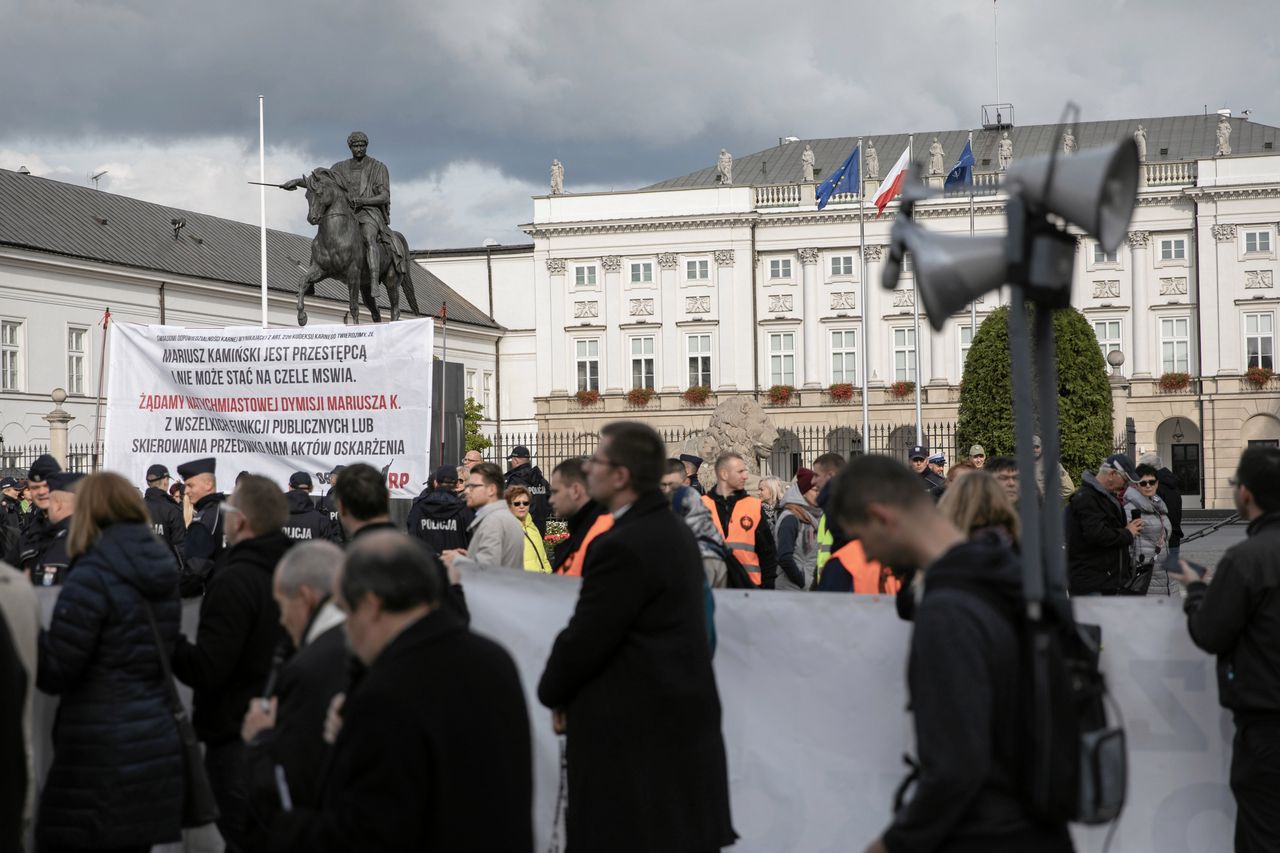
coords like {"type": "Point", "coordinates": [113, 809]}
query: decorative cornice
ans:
{"type": "Point", "coordinates": [724, 257]}
{"type": "Point", "coordinates": [1224, 233]}
{"type": "Point", "coordinates": [1139, 239]}
{"type": "Point", "coordinates": [555, 266]}
{"type": "Point", "coordinates": [667, 261]}
{"type": "Point", "coordinates": [809, 256]}
{"type": "Point", "coordinates": [1229, 193]}
{"type": "Point", "coordinates": [611, 263]}
{"type": "Point", "coordinates": [631, 226]}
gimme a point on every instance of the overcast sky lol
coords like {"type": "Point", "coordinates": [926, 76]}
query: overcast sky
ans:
{"type": "Point", "coordinates": [467, 102]}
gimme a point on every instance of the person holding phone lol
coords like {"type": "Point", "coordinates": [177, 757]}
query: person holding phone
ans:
{"type": "Point", "coordinates": [1234, 613]}
{"type": "Point", "coordinates": [1150, 549]}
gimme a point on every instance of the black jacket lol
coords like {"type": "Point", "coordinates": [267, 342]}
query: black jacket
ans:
{"type": "Point", "coordinates": [434, 753]}
{"type": "Point", "coordinates": [530, 476]}
{"type": "Point", "coordinates": [578, 526]}
{"type": "Point", "coordinates": [1237, 618]}
{"type": "Point", "coordinates": [50, 564]}
{"type": "Point", "coordinates": [306, 522]}
{"type": "Point", "coordinates": [35, 537]}
{"type": "Point", "coordinates": [116, 779]}
{"type": "Point", "coordinates": [965, 654]}
{"type": "Point", "coordinates": [1097, 540]}
{"type": "Point", "coordinates": [230, 660]}
{"type": "Point", "coordinates": [933, 484]}
{"type": "Point", "coordinates": [166, 519]}
{"type": "Point", "coordinates": [440, 518]}
{"type": "Point", "coordinates": [633, 673]}
{"type": "Point", "coordinates": [1168, 492]}
{"type": "Point", "coordinates": [204, 546]}
{"type": "Point", "coordinates": [329, 506]}
{"type": "Point", "coordinates": [766, 549]}
{"type": "Point", "coordinates": [13, 771]}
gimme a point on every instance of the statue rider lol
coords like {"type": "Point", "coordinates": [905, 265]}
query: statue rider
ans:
{"type": "Point", "coordinates": [368, 186]}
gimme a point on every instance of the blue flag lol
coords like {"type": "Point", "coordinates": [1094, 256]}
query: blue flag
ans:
{"type": "Point", "coordinates": [961, 175]}
{"type": "Point", "coordinates": [842, 180]}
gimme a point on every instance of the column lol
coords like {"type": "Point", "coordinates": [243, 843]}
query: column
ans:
{"type": "Point", "coordinates": [729, 328]}
{"type": "Point", "coordinates": [875, 353]}
{"type": "Point", "coordinates": [58, 420]}
{"type": "Point", "coordinates": [551, 313]}
{"type": "Point", "coordinates": [616, 356]}
{"type": "Point", "coordinates": [673, 378]}
{"type": "Point", "coordinates": [1139, 310]}
{"type": "Point", "coordinates": [1223, 350]}
{"type": "Point", "coordinates": [810, 326]}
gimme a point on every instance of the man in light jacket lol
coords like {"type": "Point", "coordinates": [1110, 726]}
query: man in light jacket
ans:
{"type": "Point", "coordinates": [497, 539]}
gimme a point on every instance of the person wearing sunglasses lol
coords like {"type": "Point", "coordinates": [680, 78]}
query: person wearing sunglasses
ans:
{"type": "Point", "coordinates": [1150, 548]}
{"type": "Point", "coordinates": [535, 553]}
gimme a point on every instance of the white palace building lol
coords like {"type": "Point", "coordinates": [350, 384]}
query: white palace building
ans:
{"type": "Point", "coordinates": [733, 286]}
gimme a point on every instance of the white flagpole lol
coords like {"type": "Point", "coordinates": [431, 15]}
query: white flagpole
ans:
{"type": "Point", "coordinates": [973, 306]}
{"type": "Point", "coordinates": [915, 312]}
{"type": "Point", "coordinates": [866, 319]}
{"type": "Point", "coordinates": [262, 202]}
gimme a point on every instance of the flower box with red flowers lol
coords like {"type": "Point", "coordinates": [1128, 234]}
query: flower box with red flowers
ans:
{"type": "Point", "coordinates": [780, 395]}
{"type": "Point", "coordinates": [902, 388]}
{"type": "Point", "coordinates": [696, 394]}
{"type": "Point", "coordinates": [841, 392]}
{"type": "Point", "coordinates": [588, 397]}
{"type": "Point", "coordinates": [1258, 376]}
{"type": "Point", "coordinates": [1175, 381]}
{"type": "Point", "coordinates": [640, 396]}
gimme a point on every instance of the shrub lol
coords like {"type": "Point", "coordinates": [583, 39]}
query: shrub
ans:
{"type": "Point", "coordinates": [1084, 391]}
{"type": "Point", "coordinates": [472, 414]}
{"type": "Point", "coordinates": [588, 397]}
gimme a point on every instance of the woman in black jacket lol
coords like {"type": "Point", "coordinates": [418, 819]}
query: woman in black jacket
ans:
{"type": "Point", "coordinates": [116, 782]}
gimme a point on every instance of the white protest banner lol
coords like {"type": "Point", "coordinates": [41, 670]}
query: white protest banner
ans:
{"type": "Point", "coordinates": [816, 720]}
{"type": "Point", "coordinates": [272, 401]}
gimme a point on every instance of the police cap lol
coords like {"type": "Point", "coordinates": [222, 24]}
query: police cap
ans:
{"type": "Point", "coordinates": [187, 470]}
{"type": "Point", "coordinates": [44, 466]}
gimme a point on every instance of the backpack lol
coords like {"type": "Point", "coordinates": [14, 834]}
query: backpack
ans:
{"type": "Point", "coordinates": [1078, 767]}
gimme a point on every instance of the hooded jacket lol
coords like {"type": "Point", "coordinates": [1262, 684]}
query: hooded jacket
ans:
{"type": "Point", "coordinates": [440, 518]}
{"type": "Point", "coordinates": [166, 518]}
{"type": "Point", "coordinates": [230, 660]}
{"type": "Point", "coordinates": [530, 476]}
{"type": "Point", "coordinates": [116, 779]}
{"type": "Point", "coordinates": [1097, 540]}
{"type": "Point", "coordinates": [966, 654]}
{"type": "Point", "coordinates": [306, 522]}
{"type": "Point", "coordinates": [1151, 546]}
{"type": "Point", "coordinates": [797, 541]}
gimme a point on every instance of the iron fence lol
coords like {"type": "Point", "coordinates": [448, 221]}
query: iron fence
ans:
{"type": "Point", "coordinates": [16, 461]}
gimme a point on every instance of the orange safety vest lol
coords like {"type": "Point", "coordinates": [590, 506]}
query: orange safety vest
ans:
{"type": "Point", "coordinates": [573, 565]}
{"type": "Point", "coordinates": [741, 536]}
{"type": "Point", "coordinates": [869, 577]}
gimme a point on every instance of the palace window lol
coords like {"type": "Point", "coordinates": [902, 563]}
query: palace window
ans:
{"type": "Point", "coordinates": [1175, 344]}
{"type": "Point", "coordinates": [10, 355]}
{"type": "Point", "coordinates": [642, 362]}
{"type": "Point", "coordinates": [904, 355]}
{"type": "Point", "coordinates": [1108, 334]}
{"type": "Point", "coordinates": [699, 349]}
{"type": "Point", "coordinates": [1259, 340]}
{"type": "Point", "coordinates": [584, 276]}
{"type": "Point", "coordinates": [782, 358]}
{"type": "Point", "coordinates": [842, 265]}
{"type": "Point", "coordinates": [844, 356]}
{"type": "Point", "coordinates": [587, 352]}
{"type": "Point", "coordinates": [642, 272]}
{"type": "Point", "coordinates": [77, 349]}
{"type": "Point", "coordinates": [1173, 249]}
{"type": "Point", "coordinates": [780, 268]}
{"type": "Point", "coordinates": [1257, 242]}
{"type": "Point", "coordinates": [697, 270]}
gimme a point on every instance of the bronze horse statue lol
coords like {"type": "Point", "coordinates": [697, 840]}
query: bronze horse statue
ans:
{"type": "Point", "coordinates": [338, 252]}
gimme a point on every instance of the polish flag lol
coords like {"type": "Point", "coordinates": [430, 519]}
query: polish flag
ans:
{"type": "Point", "coordinates": [892, 183]}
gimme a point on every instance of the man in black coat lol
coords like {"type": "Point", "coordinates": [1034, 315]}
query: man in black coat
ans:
{"type": "Point", "coordinates": [287, 731]}
{"type": "Point", "coordinates": [434, 750]}
{"type": "Point", "coordinates": [963, 670]}
{"type": "Point", "coordinates": [37, 532]}
{"type": "Point", "coordinates": [230, 660]}
{"type": "Point", "coordinates": [630, 681]}
{"type": "Point", "coordinates": [166, 514]}
{"type": "Point", "coordinates": [206, 538]}
{"type": "Point", "coordinates": [571, 502]}
{"type": "Point", "coordinates": [438, 516]}
{"type": "Point", "coordinates": [1098, 534]}
{"type": "Point", "coordinates": [49, 565]}
{"type": "Point", "coordinates": [306, 522]}
{"type": "Point", "coordinates": [524, 473]}
{"type": "Point", "coordinates": [1237, 618]}
{"type": "Point", "coordinates": [13, 771]}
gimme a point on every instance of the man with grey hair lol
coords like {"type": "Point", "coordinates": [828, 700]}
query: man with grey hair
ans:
{"type": "Point", "coordinates": [1168, 491]}
{"type": "Point", "coordinates": [1098, 535]}
{"type": "Point", "coordinates": [286, 730]}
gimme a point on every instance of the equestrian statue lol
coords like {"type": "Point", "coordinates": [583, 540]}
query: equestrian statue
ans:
{"type": "Point", "coordinates": [351, 205]}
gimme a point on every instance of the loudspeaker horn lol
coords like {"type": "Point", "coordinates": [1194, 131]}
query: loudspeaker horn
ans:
{"type": "Point", "coordinates": [1095, 189]}
{"type": "Point", "coordinates": [951, 270]}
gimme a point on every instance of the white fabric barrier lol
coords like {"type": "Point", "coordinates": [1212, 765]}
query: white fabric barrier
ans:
{"type": "Point", "coordinates": [272, 401]}
{"type": "Point", "coordinates": [813, 689]}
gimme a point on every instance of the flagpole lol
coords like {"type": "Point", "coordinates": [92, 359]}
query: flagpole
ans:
{"type": "Point", "coordinates": [444, 365]}
{"type": "Point", "coordinates": [262, 201]}
{"type": "Point", "coordinates": [866, 320]}
{"type": "Point", "coordinates": [97, 407]}
{"type": "Point", "coordinates": [973, 306]}
{"type": "Point", "coordinates": [915, 310]}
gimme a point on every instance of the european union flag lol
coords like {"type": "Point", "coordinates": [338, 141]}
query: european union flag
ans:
{"type": "Point", "coordinates": [961, 175]}
{"type": "Point", "coordinates": [843, 180]}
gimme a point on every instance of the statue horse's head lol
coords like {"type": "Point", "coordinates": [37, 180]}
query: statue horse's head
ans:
{"type": "Point", "coordinates": [324, 188]}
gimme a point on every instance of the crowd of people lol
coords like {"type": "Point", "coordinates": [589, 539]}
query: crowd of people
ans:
{"type": "Point", "coordinates": [342, 703]}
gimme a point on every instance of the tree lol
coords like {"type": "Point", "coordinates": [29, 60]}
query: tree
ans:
{"type": "Point", "coordinates": [1084, 392]}
{"type": "Point", "coordinates": [472, 414]}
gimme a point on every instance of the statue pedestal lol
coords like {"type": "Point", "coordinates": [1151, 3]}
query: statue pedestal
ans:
{"type": "Point", "coordinates": [808, 194]}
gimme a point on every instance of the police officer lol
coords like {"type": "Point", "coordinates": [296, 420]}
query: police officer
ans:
{"type": "Point", "coordinates": [328, 505]}
{"type": "Point", "coordinates": [933, 484]}
{"type": "Point", "coordinates": [10, 520]}
{"type": "Point", "coordinates": [37, 528]}
{"type": "Point", "coordinates": [691, 465]}
{"type": "Point", "coordinates": [205, 540]}
{"type": "Point", "coordinates": [524, 473]}
{"type": "Point", "coordinates": [48, 566]}
{"type": "Point", "coordinates": [166, 515]}
{"type": "Point", "coordinates": [438, 516]}
{"type": "Point", "coordinates": [306, 523]}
